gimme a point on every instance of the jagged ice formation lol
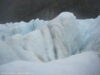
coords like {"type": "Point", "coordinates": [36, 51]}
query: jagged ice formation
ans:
{"type": "Point", "coordinates": [44, 41]}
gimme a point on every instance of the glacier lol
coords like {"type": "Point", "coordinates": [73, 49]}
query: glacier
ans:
{"type": "Point", "coordinates": [41, 42]}
{"type": "Point", "coordinates": [74, 65]}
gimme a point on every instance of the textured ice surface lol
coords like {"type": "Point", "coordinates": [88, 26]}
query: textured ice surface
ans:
{"type": "Point", "coordinates": [48, 40]}
{"type": "Point", "coordinates": [44, 41]}
{"type": "Point", "coordinates": [58, 39]}
{"type": "Point", "coordinates": [10, 29]}
{"type": "Point", "coordinates": [89, 29]}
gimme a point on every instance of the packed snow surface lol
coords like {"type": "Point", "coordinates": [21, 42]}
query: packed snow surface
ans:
{"type": "Point", "coordinates": [80, 64]}
{"type": "Point", "coordinates": [51, 47]}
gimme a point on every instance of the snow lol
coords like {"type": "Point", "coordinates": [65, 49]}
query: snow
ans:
{"type": "Point", "coordinates": [87, 63]}
{"type": "Point", "coordinates": [51, 47]}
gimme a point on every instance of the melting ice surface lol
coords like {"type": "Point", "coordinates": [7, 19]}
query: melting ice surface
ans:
{"type": "Point", "coordinates": [38, 42]}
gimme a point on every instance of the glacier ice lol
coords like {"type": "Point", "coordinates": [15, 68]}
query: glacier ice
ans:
{"type": "Point", "coordinates": [58, 39]}
{"type": "Point", "coordinates": [22, 28]}
{"type": "Point", "coordinates": [40, 41]}
{"type": "Point", "coordinates": [87, 63]}
{"type": "Point", "coordinates": [48, 40]}
{"type": "Point", "coordinates": [89, 29]}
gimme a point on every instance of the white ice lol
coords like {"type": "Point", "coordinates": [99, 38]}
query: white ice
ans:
{"type": "Point", "coordinates": [87, 63]}
{"type": "Point", "coordinates": [39, 41]}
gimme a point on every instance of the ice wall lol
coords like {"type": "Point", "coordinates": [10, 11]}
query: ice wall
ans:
{"type": "Point", "coordinates": [89, 29]}
{"type": "Point", "coordinates": [44, 41]}
{"type": "Point", "coordinates": [10, 29]}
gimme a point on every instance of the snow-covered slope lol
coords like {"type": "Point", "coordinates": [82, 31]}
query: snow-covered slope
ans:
{"type": "Point", "coordinates": [87, 63]}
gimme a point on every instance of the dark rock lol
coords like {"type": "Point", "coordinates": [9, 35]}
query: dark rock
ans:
{"type": "Point", "coordinates": [17, 10]}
